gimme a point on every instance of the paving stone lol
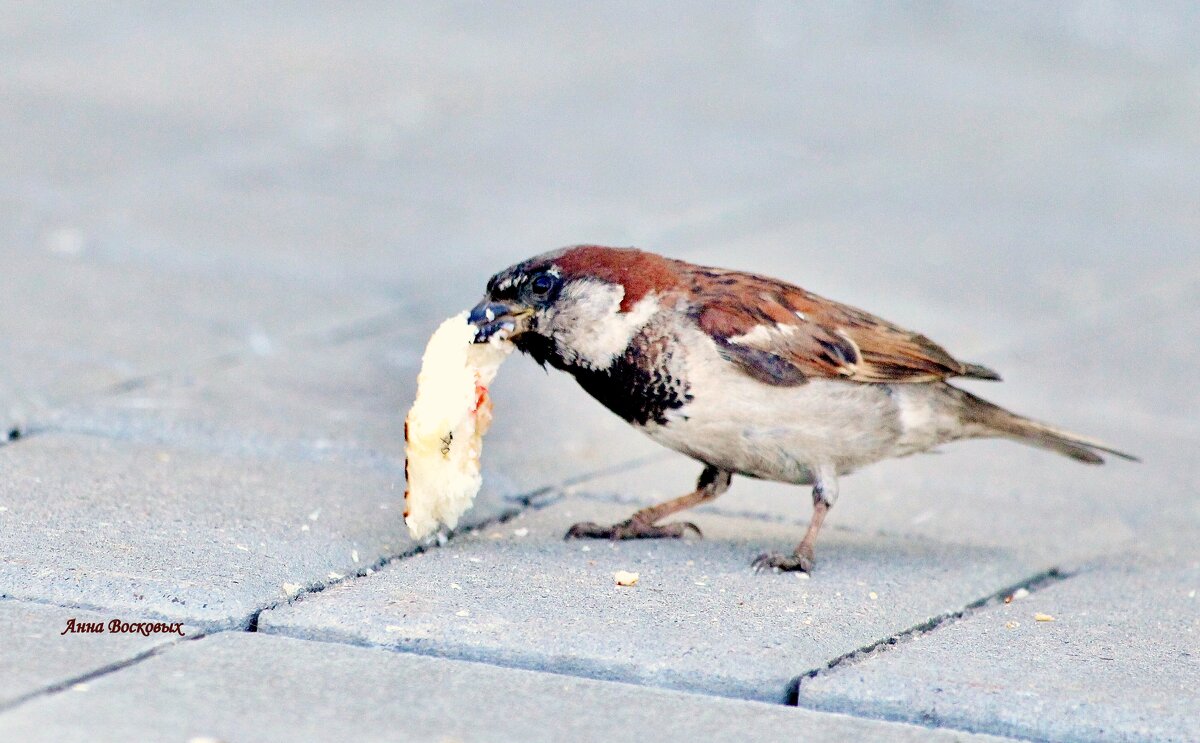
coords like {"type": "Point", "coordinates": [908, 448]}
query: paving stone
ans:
{"type": "Point", "coordinates": [1119, 662]}
{"type": "Point", "coordinates": [36, 656]}
{"type": "Point", "coordinates": [74, 326]}
{"type": "Point", "coordinates": [1119, 371]}
{"type": "Point", "coordinates": [1010, 168]}
{"type": "Point", "coordinates": [247, 687]}
{"type": "Point", "coordinates": [698, 619]}
{"type": "Point", "coordinates": [162, 532]}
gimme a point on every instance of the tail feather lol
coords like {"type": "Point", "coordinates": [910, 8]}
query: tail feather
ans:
{"type": "Point", "coordinates": [979, 371]}
{"type": "Point", "coordinates": [999, 421]}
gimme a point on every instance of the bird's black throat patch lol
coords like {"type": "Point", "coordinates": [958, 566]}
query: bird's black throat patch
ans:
{"type": "Point", "coordinates": [638, 385]}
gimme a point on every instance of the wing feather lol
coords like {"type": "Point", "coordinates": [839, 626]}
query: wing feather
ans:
{"type": "Point", "coordinates": [784, 335]}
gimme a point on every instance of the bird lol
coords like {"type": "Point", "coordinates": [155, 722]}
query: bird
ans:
{"type": "Point", "coordinates": [746, 374]}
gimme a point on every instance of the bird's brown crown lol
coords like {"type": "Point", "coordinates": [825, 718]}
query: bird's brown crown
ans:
{"type": "Point", "coordinates": [636, 270]}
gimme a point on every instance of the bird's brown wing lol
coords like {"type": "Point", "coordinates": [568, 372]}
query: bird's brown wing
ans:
{"type": "Point", "coordinates": [784, 335]}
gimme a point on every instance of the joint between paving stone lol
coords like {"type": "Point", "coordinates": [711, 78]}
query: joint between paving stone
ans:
{"type": "Point", "coordinates": [71, 605]}
{"type": "Point", "coordinates": [535, 499]}
{"type": "Point", "coordinates": [96, 673]}
{"type": "Point", "coordinates": [569, 483]}
{"type": "Point", "coordinates": [14, 434]}
{"type": "Point", "coordinates": [443, 538]}
{"type": "Point", "coordinates": [1032, 584]}
{"type": "Point", "coordinates": [532, 500]}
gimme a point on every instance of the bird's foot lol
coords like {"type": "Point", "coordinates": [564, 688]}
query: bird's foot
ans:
{"type": "Point", "coordinates": [631, 529]}
{"type": "Point", "coordinates": [774, 561]}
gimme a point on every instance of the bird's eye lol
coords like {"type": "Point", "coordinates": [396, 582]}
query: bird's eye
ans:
{"type": "Point", "coordinates": [541, 285]}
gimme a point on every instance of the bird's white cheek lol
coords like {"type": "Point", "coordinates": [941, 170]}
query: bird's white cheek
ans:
{"type": "Point", "coordinates": [591, 330]}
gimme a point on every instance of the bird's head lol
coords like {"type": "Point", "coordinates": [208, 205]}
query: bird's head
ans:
{"type": "Point", "coordinates": [575, 307]}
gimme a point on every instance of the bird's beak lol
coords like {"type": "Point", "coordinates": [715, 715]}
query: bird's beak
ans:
{"type": "Point", "coordinates": [491, 318]}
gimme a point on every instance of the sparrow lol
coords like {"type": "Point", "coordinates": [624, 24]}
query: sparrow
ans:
{"type": "Point", "coordinates": [746, 374]}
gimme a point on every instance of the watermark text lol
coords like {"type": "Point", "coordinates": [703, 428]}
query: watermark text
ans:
{"type": "Point", "coordinates": [118, 627]}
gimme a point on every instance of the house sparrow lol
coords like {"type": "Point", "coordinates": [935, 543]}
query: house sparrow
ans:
{"type": "Point", "coordinates": [746, 374]}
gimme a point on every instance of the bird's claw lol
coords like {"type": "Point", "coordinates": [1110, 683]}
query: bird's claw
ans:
{"type": "Point", "coordinates": [587, 530]}
{"type": "Point", "coordinates": [684, 527]}
{"type": "Point", "coordinates": [782, 563]}
{"type": "Point", "coordinates": [632, 529]}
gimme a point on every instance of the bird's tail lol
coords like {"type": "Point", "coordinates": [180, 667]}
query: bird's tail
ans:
{"type": "Point", "coordinates": [996, 421]}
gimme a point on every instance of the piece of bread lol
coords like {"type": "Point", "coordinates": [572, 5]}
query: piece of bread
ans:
{"type": "Point", "coordinates": [443, 432]}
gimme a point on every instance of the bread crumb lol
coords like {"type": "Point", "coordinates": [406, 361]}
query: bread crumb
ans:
{"type": "Point", "coordinates": [625, 578]}
{"type": "Point", "coordinates": [1043, 617]}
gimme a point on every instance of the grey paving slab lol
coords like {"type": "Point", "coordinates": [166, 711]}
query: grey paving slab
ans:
{"type": "Point", "coordinates": [161, 532]}
{"type": "Point", "coordinates": [74, 325]}
{"type": "Point", "coordinates": [1119, 371]}
{"type": "Point", "coordinates": [35, 655]}
{"type": "Point", "coordinates": [698, 619]}
{"type": "Point", "coordinates": [1049, 153]}
{"type": "Point", "coordinates": [247, 687]}
{"type": "Point", "coordinates": [1120, 662]}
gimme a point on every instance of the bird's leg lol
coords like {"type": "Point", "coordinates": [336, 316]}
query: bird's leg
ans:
{"type": "Point", "coordinates": [713, 481]}
{"type": "Point", "coordinates": [824, 493]}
